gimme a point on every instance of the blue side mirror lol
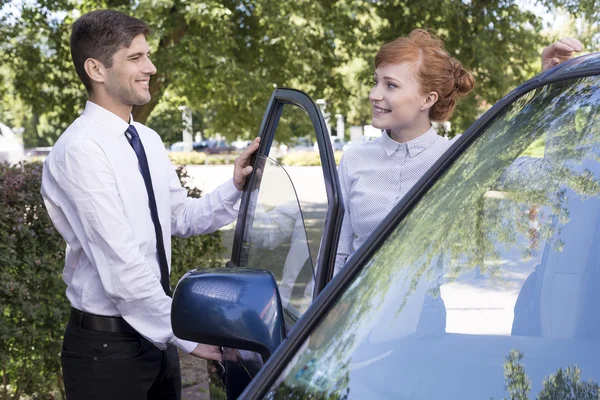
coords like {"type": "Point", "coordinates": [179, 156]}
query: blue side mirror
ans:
{"type": "Point", "coordinates": [237, 308]}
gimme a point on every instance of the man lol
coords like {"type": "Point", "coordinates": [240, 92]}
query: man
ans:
{"type": "Point", "coordinates": [114, 196]}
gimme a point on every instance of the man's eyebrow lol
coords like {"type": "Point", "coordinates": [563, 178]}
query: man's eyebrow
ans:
{"type": "Point", "coordinates": [137, 54]}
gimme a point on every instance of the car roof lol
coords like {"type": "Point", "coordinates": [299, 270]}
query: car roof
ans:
{"type": "Point", "coordinates": [588, 64]}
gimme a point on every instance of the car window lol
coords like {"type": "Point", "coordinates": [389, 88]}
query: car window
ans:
{"type": "Point", "coordinates": [278, 240]}
{"type": "Point", "coordinates": [290, 205]}
{"type": "Point", "coordinates": [489, 287]}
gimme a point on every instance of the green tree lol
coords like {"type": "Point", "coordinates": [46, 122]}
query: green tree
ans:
{"type": "Point", "coordinates": [496, 40]}
{"type": "Point", "coordinates": [566, 385]}
{"type": "Point", "coordinates": [587, 9]}
{"type": "Point", "coordinates": [222, 58]}
{"type": "Point", "coordinates": [517, 384]}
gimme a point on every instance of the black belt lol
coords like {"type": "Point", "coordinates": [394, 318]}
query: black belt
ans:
{"type": "Point", "coordinates": [100, 323]}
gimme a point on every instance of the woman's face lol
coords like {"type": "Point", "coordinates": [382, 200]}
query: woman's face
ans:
{"type": "Point", "coordinates": [397, 97]}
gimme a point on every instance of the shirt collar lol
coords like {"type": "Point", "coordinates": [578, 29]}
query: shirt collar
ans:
{"type": "Point", "coordinates": [113, 124]}
{"type": "Point", "coordinates": [414, 147]}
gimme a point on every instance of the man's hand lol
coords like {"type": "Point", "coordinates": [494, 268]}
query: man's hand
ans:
{"type": "Point", "coordinates": [242, 166]}
{"type": "Point", "coordinates": [207, 352]}
{"type": "Point", "coordinates": [560, 51]}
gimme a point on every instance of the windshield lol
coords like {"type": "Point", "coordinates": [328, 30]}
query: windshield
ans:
{"type": "Point", "coordinates": [489, 288]}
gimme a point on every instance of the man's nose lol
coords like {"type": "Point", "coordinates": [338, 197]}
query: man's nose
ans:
{"type": "Point", "coordinates": [149, 68]}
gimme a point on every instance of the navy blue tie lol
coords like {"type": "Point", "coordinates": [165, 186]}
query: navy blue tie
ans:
{"type": "Point", "coordinates": [136, 143]}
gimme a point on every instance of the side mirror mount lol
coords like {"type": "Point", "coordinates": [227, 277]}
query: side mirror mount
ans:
{"type": "Point", "coordinates": [237, 308]}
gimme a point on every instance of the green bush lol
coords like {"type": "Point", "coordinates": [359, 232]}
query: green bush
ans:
{"type": "Point", "coordinates": [295, 159]}
{"type": "Point", "coordinates": [33, 305]}
{"type": "Point", "coordinates": [202, 251]}
{"type": "Point", "coordinates": [32, 300]}
{"type": "Point", "coordinates": [196, 158]}
{"type": "Point", "coordinates": [305, 158]}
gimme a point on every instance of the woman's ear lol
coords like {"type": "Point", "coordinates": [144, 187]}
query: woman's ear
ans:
{"type": "Point", "coordinates": [95, 70]}
{"type": "Point", "coordinates": [429, 101]}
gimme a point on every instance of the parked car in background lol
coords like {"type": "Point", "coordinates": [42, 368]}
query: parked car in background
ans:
{"type": "Point", "coordinates": [482, 282]}
{"type": "Point", "coordinates": [39, 153]}
{"type": "Point", "coordinates": [336, 143]}
{"type": "Point", "coordinates": [200, 146]}
{"type": "Point", "coordinates": [214, 147]}
{"type": "Point", "coordinates": [241, 145]}
{"type": "Point", "coordinates": [177, 146]}
{"type": "Point", "coordinates": [355, 142]}
{"type": "Point", "coordinates": [301, 144]}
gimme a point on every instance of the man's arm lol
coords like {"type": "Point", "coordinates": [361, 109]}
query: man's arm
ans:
{"type": "Point", "coordinates": [88, 182]}
{"type": "Point", "coordinates": [214, 210]}
{"type": "Point", "coordinates": [560, 51]}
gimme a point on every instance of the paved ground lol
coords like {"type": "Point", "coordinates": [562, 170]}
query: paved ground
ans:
{"type": "Point", "coordinates": [306, 179]}
{"type": "Point", "coordinates": [193, 378]}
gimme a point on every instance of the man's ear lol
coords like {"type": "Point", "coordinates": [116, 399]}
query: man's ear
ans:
{"type": "Point", "coordinates": [95, 70]}
{"type": "Point", "coordinates": [429, 101]}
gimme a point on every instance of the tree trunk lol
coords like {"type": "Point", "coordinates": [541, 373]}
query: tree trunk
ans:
{"type": "Point", "coordinates": [4, 383]}
{"type": "Point", "coordinates": [157, 88]}
{"type": "Point", "coordinates": [160, 81]}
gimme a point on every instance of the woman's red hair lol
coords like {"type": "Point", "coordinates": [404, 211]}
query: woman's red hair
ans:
{"type": "Point", "coordinates": [436, 70]}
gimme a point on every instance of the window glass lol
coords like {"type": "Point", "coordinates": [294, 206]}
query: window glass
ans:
{"type": "Point", "coordinates": [489, 287]}
{"type": "Point", "coordinates": [289, 211]}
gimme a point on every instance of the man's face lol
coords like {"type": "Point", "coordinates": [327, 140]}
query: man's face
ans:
{"type": "Point", "coordinates": [128, 80]}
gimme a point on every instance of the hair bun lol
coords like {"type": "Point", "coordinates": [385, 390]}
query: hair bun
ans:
{"type": "Point", "coordinates": [463, 80]}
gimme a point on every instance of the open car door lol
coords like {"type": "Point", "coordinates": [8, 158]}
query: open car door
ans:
{"type": "Point", "coordinates": [289, 219]}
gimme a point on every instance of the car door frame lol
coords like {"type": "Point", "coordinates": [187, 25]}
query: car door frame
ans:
{"type": "Point", "coordinates": [335, 209]}
{"type": "Point", "coordinates": [283, 355]}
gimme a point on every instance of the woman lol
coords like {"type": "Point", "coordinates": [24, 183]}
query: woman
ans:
{"type": "Point", "coordinates": [416, 83]}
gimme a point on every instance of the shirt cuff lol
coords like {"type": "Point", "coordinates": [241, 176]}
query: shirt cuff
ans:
{"type": "Point", "coordinates": [186, 346]}
{"type": "Point", "coordinates": [229, 191]}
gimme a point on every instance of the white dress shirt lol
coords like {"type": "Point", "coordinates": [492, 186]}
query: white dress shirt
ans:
{"type": "Point", "coordinates": [374, 176]}
{"type": "Point", "coordinates": [96, 198]}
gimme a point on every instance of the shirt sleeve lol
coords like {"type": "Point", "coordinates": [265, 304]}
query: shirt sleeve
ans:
{"type": "Point", "coordinates": [194, 216]}
{"type": "Point", "coordinates": [88, 182]}
{"type": "Point", "coordinates": [271, 229]}
{"type": "Point", "coordinates": [344, 248]}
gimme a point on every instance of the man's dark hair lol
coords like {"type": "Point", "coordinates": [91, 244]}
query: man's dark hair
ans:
{"type": "Point", "coordinates": [100, 34]}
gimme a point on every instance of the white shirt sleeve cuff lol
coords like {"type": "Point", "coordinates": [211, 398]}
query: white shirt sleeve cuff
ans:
{"type": "Point", "coordinates": [229, 192]}
{"type": "Point", "coordinates": [186, 346]}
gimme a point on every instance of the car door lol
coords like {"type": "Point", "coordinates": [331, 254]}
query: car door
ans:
{"type": "Point", "coordinates": [483, 281]}
{"type": "Point", "coordinates": [289, 220]}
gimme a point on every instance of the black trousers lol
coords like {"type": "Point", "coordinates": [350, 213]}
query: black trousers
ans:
{"type": "Point", "coordinates": [115, 366]}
